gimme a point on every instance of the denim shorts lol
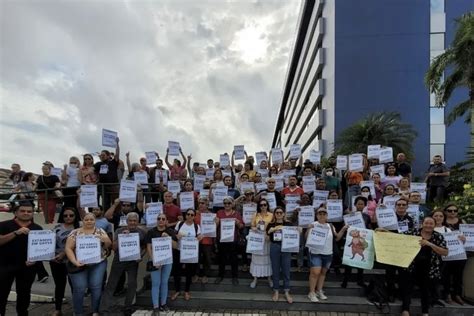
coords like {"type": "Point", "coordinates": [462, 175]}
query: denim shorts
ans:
{"type": "Point", "coordinates": [323, 261]}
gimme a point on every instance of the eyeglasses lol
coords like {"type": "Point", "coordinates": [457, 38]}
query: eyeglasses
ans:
{"type": "Point", "coordinates": [261, 205]}
{"type": "Point", "coordinates": [450, 210]}
{"type": "Point", "coordinates": [161, 219]}
{"type": "Point", "coordinates": [189, 214]}
{"type": "Point", "coordinates": [69, 215]}
{"type": "Point", "coordinates": [403, 204]}
{"type": "Point", "coordinates": [278, 213]}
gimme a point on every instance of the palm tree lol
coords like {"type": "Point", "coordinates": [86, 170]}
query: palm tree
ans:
{"type": "Point", "coordinates": [459, 59]}
{"type": "Point", "coordinates": [384, 128]}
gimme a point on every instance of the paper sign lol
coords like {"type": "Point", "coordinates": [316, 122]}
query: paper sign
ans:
{"type": "Point", "coordinates": [186, 200]}
{"type": "Point", "coordinates": [295, 151]}
{"type": "Point", "coordinates": [386, 218]}
{"type": "Point", "coordinates": [419, 187]}
{"type": "Point", "coordinates": [359, 248]}
{"type": "Point", "coordinates": [319, 197]}
{"type": "Point", "coordinates": [152, 212]}
{"type": "Point", "coordinates": [219, 193]}
{"type": "Point", "coordinates": [210, 174]}
{"type": "Point", "coordinates": [260, 156]}
{"type": "Point", "coordinates": [199, 182]}
{"type": "Point", "coordinates": [305, 216]}
{"type": "Point", "coordinates": [173, 148]}
{"type": "Point", "coordinates": [227, 229]}
{"type": "Point", "coordinates": [224, 160]}
{"type": "Point", "coordinates": [129, 247]}
{"type": "Point", "coordinates": [341, 162]}
{"type": "Point", "coordinates": [248, 212]}
{"type": "Point", "coordinates": [373, 151]}
{"type": "Point", "coordinates": [109, 138]}
{"type": "Point", "coordinates": [162, 250]}
{"type": "Point", "coordinates": [354, 219]}
{"type": "Point", "coordinates": [271, 198]}
{"type": "Point", "coordinates": [88, 250]}
{"type": "Point", "coordinates": [141, 178]}
{"type": "Point", "coordinates": [128, 191]}
{"type": "Point", "coordinates": [41, 245]}
{"type": "Point", "coordinates": [189, 250]}
{"type": "Point", "coordinates": [380, 169]}
{"type": "Point", "coordinates": [260, 186]}
{"type": "Point", "coordinates": [386, 155]}
{"type": "Point", "coordinates": [396, 249]}
{"type": "Point", "coordinates": [335, 210]}
{"type": "Point", "coordinates": [455, 247]}
{"type": "Point", "coordinates": [290, 241]}
{"type": "Point", "coordinates": [315, 157]}
{"type": "Point", "coordinates": [309, 184]}
{"type": "Point", "coordinates": [244, 186]}
{"type": "Point", "coordinates": [208, 224]}
{"type": "Point", "coordinates": [174, 187]}
{"type": "Point", "coordinates": [161, 176]}
{"type": "Point", "coordinates": [356, 162]}
{"type": "Point", "coordinates": [239, 152]}
{"type": "Point", "coordinates": [389, 201]}
{"type": "Point", "coordinates": [292, 203]}
{"type": "Point", "coordinates": [277, 156]}
{"type": "Point", "coordinates": [150, 157]}
{"type": "Point", "coordinates": [255, 242]}
{"type": "Point", "coordinates": [468, 231]}
{"type": "Point", "coordinates": [317, 236]}
{"type": "Point", "coordinates": [88, 196]}
{"type": "Point", "coordinates": [414, 212]}
{"type": "Point", "coordinates": [369, 184]}
{"type": "Point", "coordinates": [56, 172]}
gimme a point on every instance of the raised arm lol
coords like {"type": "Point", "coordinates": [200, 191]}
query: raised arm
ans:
{"type": "Point", "coordinates": [189, 164]}
{"type": "Point", "coordinates": [129, 165]}
{"type": "Point", "coordinates": [232, 160]}
{"type": "Point", "coordinates": [109, 214]}
{"type": "Point", "coordinates": [117, 150]}
{"type": "Point", "coordinates": [184, 157]}
{"type": "Point", "coordinates": [166, 159]}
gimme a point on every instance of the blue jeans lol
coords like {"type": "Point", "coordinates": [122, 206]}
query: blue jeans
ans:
{"type": "Point", "coordinates": [91, 278]}
{"type": "Point", "coordinates": [159, 285]}
{"type": "Point", "coordinates": [281, 261]}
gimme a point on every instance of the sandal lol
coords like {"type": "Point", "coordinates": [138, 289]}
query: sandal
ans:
{"type": "Point", "coordinates": [289, 299]}
{"type": "Point", "coordinates": [175, 296]}
{"type": "Point", "coordinates": [275, 296]}
{"type": "Point", "coordinates": [187, 296]}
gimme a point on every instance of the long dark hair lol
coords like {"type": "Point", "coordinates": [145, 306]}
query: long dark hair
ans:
{"type": "Point", "coordinates": [259, 210]}
{"type": "Point", "coordinates": [77, 217]}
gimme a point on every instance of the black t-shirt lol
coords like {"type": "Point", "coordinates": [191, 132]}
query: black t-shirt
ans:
{"type": "Point", "coordinates": [278, 196]}
{"type": "Point", "coordinates": [47, 182]}
{"type": "Point", "coordinates": [107, 171]}
{"type": "Point", "coordinates": [155, 233]}
{"type": "Point", "coordinates": [278, 232]}
{"type": "Point", "coordinates": [403, 169]}
{"type": "Point", "coordinates": [14, 253]}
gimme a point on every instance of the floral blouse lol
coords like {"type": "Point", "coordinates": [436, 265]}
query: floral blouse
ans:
{"type": "Point", "coordinates": [435, 259]}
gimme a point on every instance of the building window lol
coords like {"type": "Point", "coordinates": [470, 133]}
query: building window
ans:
{"type": "Point", "coordinates": [437, 5]}
{"type": "Point", "coordinates": [438, 22]}
{"type": "Point", "coordinates": [437, 134]}
{"type": "Point", "coordinates": [436, 116]}
{"type": "Point", "coordinates": [436, 149]}
{"type": "Point", "coordinates": [436, 41]}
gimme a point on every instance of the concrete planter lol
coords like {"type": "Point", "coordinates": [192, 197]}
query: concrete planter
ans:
{"type": "Point", "coordinates": [468, 278]}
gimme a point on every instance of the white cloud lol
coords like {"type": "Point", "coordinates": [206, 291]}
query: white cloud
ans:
{"type": "Point", "coordinates": [205, 73]}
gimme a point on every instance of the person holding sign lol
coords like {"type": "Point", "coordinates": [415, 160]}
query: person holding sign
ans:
{"type": "Point", "coordinates": [280, 261]}
{"type": "Point", "coordinates": [48, 184]}
{"type": "Point", "coordinates": [86, 173]}
{"type": "Point", "coordinates": [391, 176]}
{"type": "Point", "coordinates": [107, 172]}
{"type": "Point", "coordinates": [320, 257]}
{"type": "Point", "coordinates": [425, 268]}
{"type": "Point", "coordinates": [246, 206]}
{"type": "Point", "coordinates": [227, 251]}
{"type": "Point", "coordinates": [177, 170]}
{"type": "Point", "coordinates": [187, 228]}
{"type": "Point", "coordinates": [70, 176]}
{"type": "Point", "coordinates": [160, 274]}
{"type": "Point", "coordinates": [171, 210]}
{"type": "Point", "coordinates": [82, 275]}
{"type": "Point", "coordinates": [13, 258]}
{"type": "Point", "coordinates": [260, 265]}
{"type": "Point", "coordinates": [206, 246]}
{"type": "Point", "coordinates": [124, 263]}
{"type": "Point", "coordinates": [158, 176]}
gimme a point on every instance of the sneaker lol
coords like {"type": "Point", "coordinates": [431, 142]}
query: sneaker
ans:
{"type": "Point", "coordinates": [312, 297]}
{"type": "Point", "coordinates": [164, 308]}
{"type": "Point", "coordinates": [253, 284]}
{"type": "Point", "coordinates": [43, 279]}
{"type": "Point", "coordinates": [321, 296]}
{"type": "Point", "coordinates": [156, 311]}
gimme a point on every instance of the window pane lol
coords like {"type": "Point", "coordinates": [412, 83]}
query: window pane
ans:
{"type": "Point", "coordinates": [436, 150]}
{"type": "Point", "coordinates": [437, 41]}
{"type": "Point", "coordinates": [437, 134]}
{"type": "Point", "coordinates": [438, 23]}
{"type": "Point", "coordinates": [437, 5]}
{"type": "Point", "coordinates": [436, 115]}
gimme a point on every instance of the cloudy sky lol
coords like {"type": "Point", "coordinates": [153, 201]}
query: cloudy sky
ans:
{"type": "Point", "coordinates": [208, 74]}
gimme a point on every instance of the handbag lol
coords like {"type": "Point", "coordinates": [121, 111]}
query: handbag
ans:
{"type": "Point", "coordinates": [72, 269]}
{"type": "Point", "coordinates": [150, 267]}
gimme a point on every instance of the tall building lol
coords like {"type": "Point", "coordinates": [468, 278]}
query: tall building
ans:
{"type": "Point", "coordinates": [351, 58]}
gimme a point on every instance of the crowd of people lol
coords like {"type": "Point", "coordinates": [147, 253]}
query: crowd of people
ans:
{"type": "Point", "coordinates": [267, 187]}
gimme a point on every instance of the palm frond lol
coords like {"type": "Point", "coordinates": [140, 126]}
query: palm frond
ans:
{"type": "Point", "coordinates": [459, 111]}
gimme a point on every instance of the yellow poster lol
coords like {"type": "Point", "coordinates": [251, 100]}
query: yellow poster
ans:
{"type": "Point", "coordinates": [396, 249]}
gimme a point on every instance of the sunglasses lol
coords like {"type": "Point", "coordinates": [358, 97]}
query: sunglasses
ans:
{"type": "Point", "coordinates": [263, 205]}
{"type": "Point", "coordinates": [161, 219]}
{"type": "Point", "coordinates": [278, 213]}
{"type": "Point", "coordinates": [189, 214]}
{"type": "Point", "coordinates": [450, 210]}
{"type": "Point", "coordinates": [69, 215]}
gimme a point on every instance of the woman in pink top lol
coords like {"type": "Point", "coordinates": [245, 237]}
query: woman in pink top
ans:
{"type": "Point", "coordinates": [177, 170]}
{"type": "Point", "coordinates": [86, 173]}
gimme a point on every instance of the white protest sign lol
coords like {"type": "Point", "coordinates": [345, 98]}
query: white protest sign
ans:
{"type": "Point", "coordinates": [162, 252]}
{"type": "Point", "coordinates": [468, 231]}
{"type": "Point", "coordinates": [380, 169]}
{"type": "Point", "coordinates": [295, 151]}
{"type": "Point", "coordinates": [224, 160]}
{"type": "Point", "coordinates": [341, 162]}
{"type": "Point", "coordinates": [317, 236]}
{"type": "Point", "coordinates": [356, 162]}
{"type": "Point", "coordinates": [277, 156]}
{"type": "Point", "coordinates": [210, 173]}
{"type": "Point", "coordinates": [88, 250]}
{"type": "Point", "coordinates": [227, 230]}
{"type": "Point", "coordinates": [208, 224]}
{"type": "Point", "coordinates": [271, 198]}
{"type": "Point", "coordinates": [260, 186]}
{"type": "Point", "coordinates": [174, 187]}
{"type": "Point", "coordinates": [309, 184]}
{"type": "Point", "coordinates": [414, 212]}
{"type": "Point", "coordinates": [386, 218]}
{"type": "Point", "coordinates": [320, 197]}
{"type": "Point", "coordinates": [369, 184]}
{"type": "Point", "coordinates": [255, 242]}
{"type": "Point", "coordinates": [335, 210]}
{"type": "Point", "coordinates": [315, 156]}
{"type": "Point", "coordinates": [198, 183]}
{"type": "Point", "coordinates": [109, 138]}
{"type": "Point", "coordinates": [161, 176]}
{"type": "Point", "coordinates": [186, 200]}
{"type": "Point", "coordinates": [419, 187]}
{"type": "Point", "coordinates": [128, 191]}
{"type": "Point", "coordinates": [455, 247]}
{"type": "Point", "coordinates": [373, 151]}
{"type": "Point", "coordinates": [129, 247]}
{"type": "Point", "coordinates": [386, 155]}
{"type": "Point", "coordinates": [219, 193]}
{"type": "Point", "coordinates": [260, 156]}
{"type": "Point", "coordinates": [291, 204]}
{"type": "Point", "coordinates": [189, 250]}
{"type": "Point", "coordinates": [248, 212]}
{"type": "Point", "coordinates": [354, 219]}
{"type": "Point", "coordinates": [41, 245]}
{"type": "Point", "coordinates": [290, 241]}
{"type": "Point", "coordinates": [152, 212]}
{"type": "Point", "coordinates": [239, 152]}
{"type": "Point", "coordinates": [174, 148]}
{"type": "Point", "coordinates": [204, 193]}
{"type": "Point", "coordinates": [150, 157]}
{"type": "Point", "coordinates": [88, 196]}
{"type": "Point", "coordinates": [56, 172]}
{"type": "Point", "coordinates": [306, 216]}
{"type": "Point", "coordinates": [389, 201]}
{"type": "Point", "coordinates": [244, 186]}
{"type": "Point", "coordinates": [263, 173]}
{"type": "Point", "coordinates": [141, 177]}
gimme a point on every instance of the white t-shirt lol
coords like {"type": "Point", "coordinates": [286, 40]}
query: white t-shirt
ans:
{"type": "Point", "coordinates": [72, 180]}
{"type": "Point", "coordinates": [442, 229]}
{"type": "Point", "coordinates": [188, 230]}
{"type": "Point", "coordinates": [327, 248]}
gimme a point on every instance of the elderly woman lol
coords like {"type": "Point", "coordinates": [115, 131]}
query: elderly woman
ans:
{"type": "Point", "coordinates": [90, 277]}
{"type": "Point", "coordinates": [227, 251]}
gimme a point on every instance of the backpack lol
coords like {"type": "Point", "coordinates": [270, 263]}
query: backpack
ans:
{"type": "Point", "coordinates": [377, 294]}
{"type": "Point", "coordinates": [196, 227]}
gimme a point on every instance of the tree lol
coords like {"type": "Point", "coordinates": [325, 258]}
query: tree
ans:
{"type": "Point", "coordinates": [384, 128]}
{"type": "Point", "coordinates": [459, 59]}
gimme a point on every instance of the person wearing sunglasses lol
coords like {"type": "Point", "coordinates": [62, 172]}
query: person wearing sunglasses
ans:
{"type": "Point", "coordinates": [453, 272]}
{"type": "Point", "coordinates": [206, 245]}
{"type": "Point", "coordinates": [227, 251]}
{"type": "Point", "coordinates": [86, 172]}
{"type": "Point", "coordinates": [260, 265]}
{"type": "Point", "coordinates": [68, 220]}
{"type": "Point", "coordinates": [160, 274]}
{"type": "Point", "coordinates": [186, 228]}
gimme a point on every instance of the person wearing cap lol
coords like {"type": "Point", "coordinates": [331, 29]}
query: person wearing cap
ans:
{"type": "Point", "coordinates": [48, 183]}
{"type": "Point", "coordinates": [320, 258]}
